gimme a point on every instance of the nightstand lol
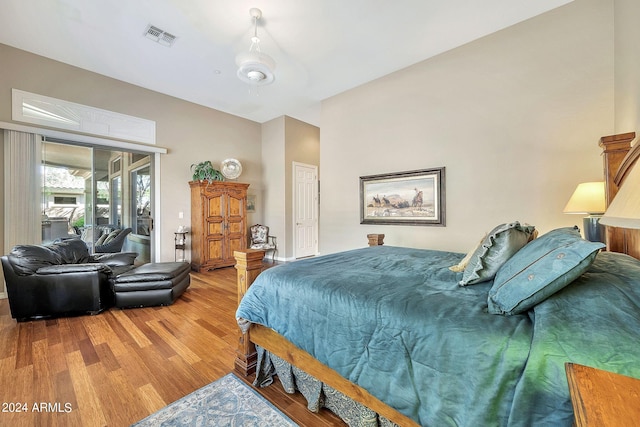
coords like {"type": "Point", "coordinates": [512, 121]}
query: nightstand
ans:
{"type": "Point", "coordinates": [375, 239]}
{"type": "Point", "coordinates": [602, 398]}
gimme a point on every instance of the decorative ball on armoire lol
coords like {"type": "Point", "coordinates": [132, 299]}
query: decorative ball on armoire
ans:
{"type": "Point", "coordinates": [231, 168]}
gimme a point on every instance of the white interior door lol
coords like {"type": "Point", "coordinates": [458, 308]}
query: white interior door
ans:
{"type": "Point", "coordinates": [305, 205]}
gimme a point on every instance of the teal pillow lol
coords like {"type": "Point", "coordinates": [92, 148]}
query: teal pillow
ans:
{"type": "Point", "coordinates": [496, 248]}
{"type": "Point", "coordinates": [540, 269]}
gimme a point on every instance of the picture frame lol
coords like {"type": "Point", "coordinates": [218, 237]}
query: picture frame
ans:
{"type": "Point", "coordinates": [251, 202]}
{"type": "Point", "coordinates": [404, 198]}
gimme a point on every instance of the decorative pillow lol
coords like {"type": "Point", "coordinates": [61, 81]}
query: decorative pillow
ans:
{"type": "Point", "coordinates": [101, 239]}
{"type": "Point", "coordinates": [111, 236]}
{"type": "Point", "coordinates": [496, 248]}
{"type": "Point", "coordinates": [459, 267]}
{"type": "Point", "coordinates": [540, 269]}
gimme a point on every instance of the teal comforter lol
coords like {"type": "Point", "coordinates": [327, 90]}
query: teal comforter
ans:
{"type": "Point", "coordinates": [394, 321]}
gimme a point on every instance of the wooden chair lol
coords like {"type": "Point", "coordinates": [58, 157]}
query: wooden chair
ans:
{"type": "Point", "coordinates": [260, 239]}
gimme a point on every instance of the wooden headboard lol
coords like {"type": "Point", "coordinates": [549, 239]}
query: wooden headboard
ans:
{"type": "Point", "coordinates": [619, 158]}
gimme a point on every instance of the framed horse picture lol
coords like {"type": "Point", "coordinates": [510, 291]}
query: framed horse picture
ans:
{"type": "Point", "coordinates": [403, 198]}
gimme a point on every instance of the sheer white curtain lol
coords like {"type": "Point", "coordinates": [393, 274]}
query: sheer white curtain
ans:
{"type": "Point", "coordinates": [22, 189]}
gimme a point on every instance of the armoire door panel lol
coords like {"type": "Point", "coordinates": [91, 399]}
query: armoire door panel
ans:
{"type": "Point", "coordinates": [236, 206]}
{"type": "Point", "coordinates": [236, 244]}
{"type": "Point", "coordinates": [215, 206]}
{"type": "Point", "coordinates": [215, 249]}
{"type": "Point", "coordinates": [236, 227]}
{"type": "Point", "coordinates": [215, 227]}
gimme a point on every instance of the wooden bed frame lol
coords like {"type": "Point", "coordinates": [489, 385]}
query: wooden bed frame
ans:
{"type": "Point", "coordinates": [618, 158]}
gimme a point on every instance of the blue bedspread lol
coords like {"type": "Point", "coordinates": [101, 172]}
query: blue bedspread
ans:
{"type": "Point", "coordinates": [394, 321]}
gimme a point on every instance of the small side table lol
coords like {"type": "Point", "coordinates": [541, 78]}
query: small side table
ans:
{"type": "Point", "coordinates": [375, 239]}
{"type": "Point", "coordinates": [602, 398]}
{"type": "Point", "coordinates": [180, 243]}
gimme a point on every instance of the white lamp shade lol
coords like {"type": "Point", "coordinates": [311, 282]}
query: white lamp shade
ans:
{"type": "Point", "coordinates": [624, 210]}
{"type": "Point", "coordinates": [588, 198]}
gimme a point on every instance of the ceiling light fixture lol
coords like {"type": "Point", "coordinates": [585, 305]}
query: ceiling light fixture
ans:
{"type": "Point", "coordinates": [255, 67]}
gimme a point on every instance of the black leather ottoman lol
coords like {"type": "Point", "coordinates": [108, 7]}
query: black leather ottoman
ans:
{"type": "Point", "coordinates": [159, 283]}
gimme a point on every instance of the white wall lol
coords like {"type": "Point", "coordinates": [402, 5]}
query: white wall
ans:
{"type": "Point", "coordinates": [627, 65]}
{"type": "Point", "coordinates": [284, 140]}
{"type": "Point", "coordinates": [514, 117]}
{"type": "Point", "coordinates": [273, 179]}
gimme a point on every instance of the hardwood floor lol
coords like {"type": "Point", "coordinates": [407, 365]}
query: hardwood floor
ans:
{"type": "Point", "coordinates": [117, 367]}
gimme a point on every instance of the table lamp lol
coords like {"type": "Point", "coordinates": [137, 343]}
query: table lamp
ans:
{"type": "Point", "coordinates": [588, 198]}
{"type": "Point", "coordinates": [624, 210]}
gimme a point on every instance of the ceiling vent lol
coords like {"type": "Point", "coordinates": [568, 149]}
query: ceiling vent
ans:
{"type": "Point", "coordinates": [159, 36]}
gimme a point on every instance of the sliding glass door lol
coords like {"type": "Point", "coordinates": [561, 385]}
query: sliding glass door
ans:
{"type": "Point", "coordinates": [94, 193]}
{"type": "Point", "coordinates": [139, 212]}
{"type": "Point", "coordinates": [66, 201]}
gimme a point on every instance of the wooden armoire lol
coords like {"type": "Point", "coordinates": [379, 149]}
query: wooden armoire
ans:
{"type": "Point", "coordinates": [218, 223]}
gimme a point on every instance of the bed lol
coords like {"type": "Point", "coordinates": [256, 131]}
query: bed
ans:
{"type": "Point", "coordinates": [393, 329]}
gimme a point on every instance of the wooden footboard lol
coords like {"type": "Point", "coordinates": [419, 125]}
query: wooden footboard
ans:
{"type": "Point", "coordinates": [249, 266]}
{"type": "Point", "coordinates": [281, 347]}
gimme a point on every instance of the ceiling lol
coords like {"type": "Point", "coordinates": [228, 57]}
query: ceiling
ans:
{"type": "Point", "coordinates": [321, 47]}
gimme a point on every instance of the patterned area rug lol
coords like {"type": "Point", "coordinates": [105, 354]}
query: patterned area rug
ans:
{"type": "Point", "coordinates": [226, 402]}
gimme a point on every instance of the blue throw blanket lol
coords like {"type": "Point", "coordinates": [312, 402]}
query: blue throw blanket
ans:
{"type": "Point", "coordinates": [394, 321]}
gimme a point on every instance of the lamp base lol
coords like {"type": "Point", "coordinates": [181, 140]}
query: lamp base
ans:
{"type": "Point", "coordinates": [593, 231]}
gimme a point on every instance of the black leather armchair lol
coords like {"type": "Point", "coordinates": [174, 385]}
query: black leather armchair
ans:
{"type": "Point", "coordinates": [61, 279]}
